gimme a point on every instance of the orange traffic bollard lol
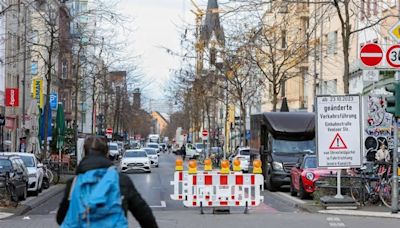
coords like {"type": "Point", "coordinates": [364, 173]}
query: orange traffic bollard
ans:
{"type": "Point", "coordinates": [178, 165]}
{"type": "Point", "coordinates": [192, 167]}
{"type": "Point", "coordinates": [236, 165]}
{"type": "Point", "coordinates": [225, 166]}
{"type": "Point", "coordinates": [257, 166]}
{"type": "Point", "coordinates": [207, 165]}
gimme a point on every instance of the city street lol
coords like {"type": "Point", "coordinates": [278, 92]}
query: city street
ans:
{"type": "Point", "coordinates": [155, 188]}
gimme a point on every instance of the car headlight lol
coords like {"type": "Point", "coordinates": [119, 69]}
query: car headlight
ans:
{"type": "Point", "coordinates": [310, 176]}
{"type": "Point", "coordinates": [277, 165]}
{"type": "Point", "coordinates": [32, 175]}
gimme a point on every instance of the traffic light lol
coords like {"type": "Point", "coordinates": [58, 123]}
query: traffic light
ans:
{"type": "Point", "coordinates": [393, 102]}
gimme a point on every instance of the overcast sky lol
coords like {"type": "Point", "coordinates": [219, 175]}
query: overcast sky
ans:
{"type": "Point", "coordinates": [155, 25]}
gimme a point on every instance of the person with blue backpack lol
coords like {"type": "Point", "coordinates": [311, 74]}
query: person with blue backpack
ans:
{"type": "Point", "coordinates": [99, 196]}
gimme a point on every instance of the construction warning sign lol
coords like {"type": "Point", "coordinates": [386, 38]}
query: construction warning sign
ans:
{"type": "Point", "coordinates": [338, 121]}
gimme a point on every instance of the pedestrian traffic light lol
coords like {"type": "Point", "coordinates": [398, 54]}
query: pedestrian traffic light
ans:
{"type": "Point", "coordinates": [393, 102]}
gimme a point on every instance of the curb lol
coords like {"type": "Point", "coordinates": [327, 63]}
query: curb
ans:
{"type": "Point", "coordinates": [34, 203]}
{"type": "Point", "coordinates": [297, 203]}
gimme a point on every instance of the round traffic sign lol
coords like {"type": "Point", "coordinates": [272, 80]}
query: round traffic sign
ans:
{"type": "Point", "coordinates": [109, 131]}
{"type": "Point", "coordinates": [204, 133]}
{"type": "Point", "coordinates": [393, 56]}
{"type": "Point", "coordinates": [371, 54]}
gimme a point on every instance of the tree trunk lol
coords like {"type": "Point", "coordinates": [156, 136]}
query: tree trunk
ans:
{"type": "Point", "coordinates": [243, 125]}
{"type": "Point", "coordinates": [76, 99]}
{"type": "Point", "coordinates": [93, 102]}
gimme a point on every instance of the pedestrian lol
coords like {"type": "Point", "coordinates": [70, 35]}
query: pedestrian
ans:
{"type": "Point", "coordinates": [183, 151]}
{"type": "Point", "coordinates": [93, 197]}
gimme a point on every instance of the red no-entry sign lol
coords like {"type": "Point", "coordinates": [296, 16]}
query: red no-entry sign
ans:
{"type": "Point", "coordinates": [109, 131]}
{"type": "Point", "coordinates": [204, 133]}
{"type": "Point", "coordinates": [371, 54]}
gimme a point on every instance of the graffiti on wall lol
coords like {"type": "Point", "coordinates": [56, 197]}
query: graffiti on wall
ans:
{"type": "Point", "coordinates": [378, 127]}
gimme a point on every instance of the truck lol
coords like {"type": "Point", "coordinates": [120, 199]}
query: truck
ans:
{"type": "Point", "coordinates": [281, 140]}
{"type": "Point", "coordinates": [154, 138]}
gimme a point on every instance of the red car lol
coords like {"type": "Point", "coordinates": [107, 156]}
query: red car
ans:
{"type": "Point", "coordinates": [303, 176]}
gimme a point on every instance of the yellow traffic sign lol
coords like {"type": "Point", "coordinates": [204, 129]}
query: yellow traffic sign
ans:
{"type": "Point", "coordinates": [395, 32]}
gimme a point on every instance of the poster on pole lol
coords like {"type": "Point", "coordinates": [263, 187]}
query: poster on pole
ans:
{"type": "Point", "coordinates": [339, 139]}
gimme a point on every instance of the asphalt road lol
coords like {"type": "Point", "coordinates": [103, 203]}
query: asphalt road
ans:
{"type": "Point", "coordinates": [155, 188]}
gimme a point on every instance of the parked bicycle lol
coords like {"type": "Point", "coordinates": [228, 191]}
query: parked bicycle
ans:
{"type": "Point", "coordinates": [52, 171]}
{"type": "Point", "coordinates": [373, 186]}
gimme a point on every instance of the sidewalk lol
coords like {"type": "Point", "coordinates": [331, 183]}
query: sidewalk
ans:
{"type": "Point", "coordinates": [31, 202]}
{"type": "Point", "coordinates": [312, 207]}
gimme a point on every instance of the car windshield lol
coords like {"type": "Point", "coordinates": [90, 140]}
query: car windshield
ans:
{"type": "Point", "coordinates": [153, 146]}
{"type": "Point", "coordinates": [28, 161]}
{"type": "Point", "coordinates": [150, 151]}
{"type": "Point", "coordinates": [112, 147]}
{"type": "Point", "coordinates": [245, 152]}
{"type": "Point", "coordinates": [286, 146]}
{"type": "Point", "coordinates": [310, 163]}
{"type": "Point", "coordinates": [135, 154]}
{"type": "Point", "coordinates": [5, 165]}
{"type": "Point", "coordinates": [199, 145]}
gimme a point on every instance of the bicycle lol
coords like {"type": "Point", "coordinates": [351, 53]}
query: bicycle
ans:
{"type": "Point", "coordinates": [52, 170]}
{"type": "Point", "coordinates": [373, 189]}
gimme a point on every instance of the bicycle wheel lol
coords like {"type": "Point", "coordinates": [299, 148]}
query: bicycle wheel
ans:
{"type": "Point", "coordinates": [358, 190]}
{"type": "Point", "coordinates": [385, 193]}
{"type": "Point", "coordinates": [50, 175]}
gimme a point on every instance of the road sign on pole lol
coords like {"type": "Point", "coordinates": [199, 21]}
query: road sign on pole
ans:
{"type": "Point", "coordinates": [204, 133]}
{"type": "Point", "coordinates": [371, 55]}
{"type": "Point", "coordinates": [370, 75]}
{"type": "Point", "coordinates": [395, 32]}
{"type": "Point", "coordinates": [339, 131]}
{"type": "Point", "coordinates": [393, 56]}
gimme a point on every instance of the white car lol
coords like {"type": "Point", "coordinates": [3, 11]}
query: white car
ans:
{"type": "Point", "coordinates": [35, 171]}
{"type": "Point", "coordinates": [113, 150]}
{"type": "Point", "coordinates": [243, 154]}
{"type": "Point", "coordinates": [135, 160]}
{"type": "Point", "coordinates": [152, 154]}
{"type": "Point", "coordinates": [154, 146]}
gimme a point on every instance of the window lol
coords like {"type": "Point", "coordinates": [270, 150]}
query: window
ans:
{"type": "Point", "coordinates": [64, 73]}
{"type": "Point", "coordinates": [35, 36]}
{"type": "Point", "coordinates": [34, 68]}
{"type": "Point", "coordinates": [268, 6]}
{"type": "Point", "coordinates": [283, 8]}
{"type": "Point", "coordinates": [283, 37]}
{"type": "Point", "coordinates": [332, 43]}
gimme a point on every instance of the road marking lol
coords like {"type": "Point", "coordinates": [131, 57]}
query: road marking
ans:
{"type": "Point", "coordinates": [26, 218]}
{"type": "Point", "coordinates": [361, 213]}
{"type": "Point", "coordinates": [163, 204]}
{"type": "Point", "coordinates": [53, 211]}
{"type": "Point", "coordinates": [335, 222]}
{"type": "Point", "coordinates": [289, 197]}
{"type": "Point", "coordinates": [4, 215]}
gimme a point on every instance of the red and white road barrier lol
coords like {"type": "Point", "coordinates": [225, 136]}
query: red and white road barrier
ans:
{"type": "Point", "coordinates": [213, 189]}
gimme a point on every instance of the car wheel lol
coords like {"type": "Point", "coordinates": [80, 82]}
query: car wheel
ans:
{"type": "Point", "coordinates": [157, 166]}
{"type": "Point", "coordinates": [302, 192]}
{"type": "Point", "coordinates": [268, 183]}
{"type": "Point", "coordinates": [293, 191]}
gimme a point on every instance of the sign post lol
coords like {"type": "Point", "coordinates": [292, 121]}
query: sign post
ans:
{"type": "Point", "coordinates": [204, 135]}
{"type": "Point", "coordinates": [109, 132]}
{"type": "Point", "coordinates": [339, 136]}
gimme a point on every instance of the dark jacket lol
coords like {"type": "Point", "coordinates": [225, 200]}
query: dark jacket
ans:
{"type": "Point", "coordinates": [132, 200]}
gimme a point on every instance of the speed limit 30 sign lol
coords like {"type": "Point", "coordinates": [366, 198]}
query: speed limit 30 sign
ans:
{"type": "Point", "coordinates": [393, 56]}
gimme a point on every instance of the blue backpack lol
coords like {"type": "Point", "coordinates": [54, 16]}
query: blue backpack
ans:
{"type": "Point", "coordinates": [95, 200]}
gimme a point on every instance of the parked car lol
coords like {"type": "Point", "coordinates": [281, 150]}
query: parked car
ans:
{"type": "Point", "coordinates": [191, 151]}
{"type": "Point", "coordinates": [35, 170]}
{"type": "Point", "coordinates": [304, 176]}
{"type": "Point", "coordinates": [135, 160]}
{"type": "Point", "coordinates": [14, 173]}
{"type": "Point", "coordinates": [243, 154]}
{"type": "Point", "coordinates": [152, 154]}
{"type": "Point", "coordinates": [154, 146]}
{"type": "Point", "coordinates": [113, 150]}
